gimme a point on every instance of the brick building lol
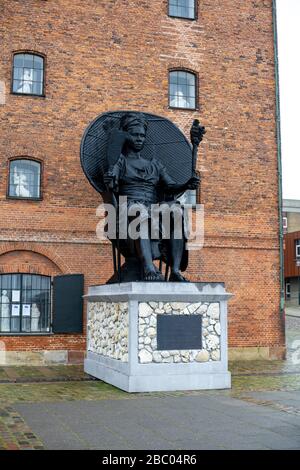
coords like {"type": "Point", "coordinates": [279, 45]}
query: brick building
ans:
{"type": "Point", "coordinates": [63, 63]}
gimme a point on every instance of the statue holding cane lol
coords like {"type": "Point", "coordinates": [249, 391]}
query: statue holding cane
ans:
{"type": "Point", "coordinates": [145, 182]}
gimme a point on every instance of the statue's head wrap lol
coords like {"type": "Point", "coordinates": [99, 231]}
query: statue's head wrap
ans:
{"type": "Point", "coordinates": [133, 119]}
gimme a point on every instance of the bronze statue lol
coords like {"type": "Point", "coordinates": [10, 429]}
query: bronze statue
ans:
{"type": "Point", "coordinates": [144, 182]}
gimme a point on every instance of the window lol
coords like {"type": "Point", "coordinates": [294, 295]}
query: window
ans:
{"type": "Point", "coordinates": [24, 179]}
{"type": "Point", "coordinates": [182, 8]}
{"type": "Point", "coordinates": [28, 74]}
{"type": "Point", "coordinates": [288, 290]}
{"type": "Point", "coordinates": [25, 303]}
{"type": "Point", "coordinates": [182, 90]}
{"type": "Point", "coordinates": [190, 197]}
{"type": "Point", "coordinates": [285, 222]}
{"type": "Point", "coordinates": [297, 248]}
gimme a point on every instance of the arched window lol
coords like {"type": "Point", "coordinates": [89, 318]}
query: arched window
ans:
{"type": "Point", "coordinates": [25, 303]}
{"type": "Point", "coordinates": [24, 179]}
{"type": "Point", "coordinates": [183, 8]}
{"type": "Point", "coordinates": [182, 89]}
{"type": "Point", "coordinates": [28, 74]}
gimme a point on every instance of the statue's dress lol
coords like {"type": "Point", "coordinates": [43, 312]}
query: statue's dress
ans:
{"type": "Point", "coordinates": [139, 179]}
{"type": "Point", "coordinates": [143, 182]}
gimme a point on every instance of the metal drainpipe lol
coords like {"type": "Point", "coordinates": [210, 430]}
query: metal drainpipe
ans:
{"type": "Point", "coordinates": [278, 133]}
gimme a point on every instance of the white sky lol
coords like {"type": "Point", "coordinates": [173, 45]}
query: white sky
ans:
{"type": "Point", "coordinates": [288, 26]}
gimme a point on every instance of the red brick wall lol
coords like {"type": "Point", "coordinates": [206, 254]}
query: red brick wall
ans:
{"type": "Point", "coordinates": [115, 54]}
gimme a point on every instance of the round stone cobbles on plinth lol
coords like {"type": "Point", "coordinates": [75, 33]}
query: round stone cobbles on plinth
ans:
{"type": "Point", "coordinates": [211, 330]}
{"type": "Point", "coordinates": [108, 329]}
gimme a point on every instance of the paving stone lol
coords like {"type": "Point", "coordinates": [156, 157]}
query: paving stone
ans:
{"type": "Point", "coordinates": [138, 423]}
{"type": "Point", "coordinates": [261, 411]}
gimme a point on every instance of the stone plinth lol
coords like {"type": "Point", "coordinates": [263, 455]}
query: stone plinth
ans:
{"type": "Point", "coordinates": [131, 324]}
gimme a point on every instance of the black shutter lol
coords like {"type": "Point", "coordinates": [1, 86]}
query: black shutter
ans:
{"type": "Point", "coordinates": [68, 303]}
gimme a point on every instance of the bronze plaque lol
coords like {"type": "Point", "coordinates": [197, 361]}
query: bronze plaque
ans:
{"type": "Point", "coordinates": [179, 332]}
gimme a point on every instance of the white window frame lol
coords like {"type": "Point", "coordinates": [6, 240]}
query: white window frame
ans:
{"type": "Point", "coordinates": [182, 101]}
{"type": "Point", "coordinates": [285, 222]}
{"type": "Point", "coordinates": [297, 249]}
{"type": "Point", "coordinates": [25, 86]}
{"type": "Point", "coordinates": [15, 172]}
{"type": "Point", "coordinates": [178, 10]}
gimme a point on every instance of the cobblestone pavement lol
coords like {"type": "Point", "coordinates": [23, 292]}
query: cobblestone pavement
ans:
{"type": "Point", "coordinates": [43, 374]}
{"type": "Point", "coordinates": [205, 421]}
{"type": "Point", "coordinates": [14, 432]}
{"type": "Point", "coordinates": [39, 402]}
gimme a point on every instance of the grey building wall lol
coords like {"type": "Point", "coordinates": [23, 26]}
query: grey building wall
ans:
{"type": "Point", "coordinates": [291, 210]}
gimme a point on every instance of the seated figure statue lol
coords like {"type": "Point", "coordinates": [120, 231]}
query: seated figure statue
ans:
{"type": "Point", "coordinates": [143, 181]}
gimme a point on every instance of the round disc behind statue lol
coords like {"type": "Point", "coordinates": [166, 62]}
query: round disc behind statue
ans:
{"type": "Point", "coordinates": [164, 141]}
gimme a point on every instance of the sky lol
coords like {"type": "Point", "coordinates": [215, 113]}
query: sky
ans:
{"type": "Point", "coordinates": [288, 28]}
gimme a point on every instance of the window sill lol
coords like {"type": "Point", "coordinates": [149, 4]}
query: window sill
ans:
{"type": "Point", "coordinates": [27, 94]}
{"type": "Point", "coordinates": [183, 17]}
{"type": "Point", "coordinates": [16, 198]}
{"type": "Point", "coordinates": [182, 109]}
{"type": "Point", "coordinates": [48, 333]}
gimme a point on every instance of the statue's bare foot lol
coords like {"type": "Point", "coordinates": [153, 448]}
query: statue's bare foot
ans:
{"type": "Point", "coordinates": [153, 276]}
{"type": "Point", "coordinates": [175, 276]}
